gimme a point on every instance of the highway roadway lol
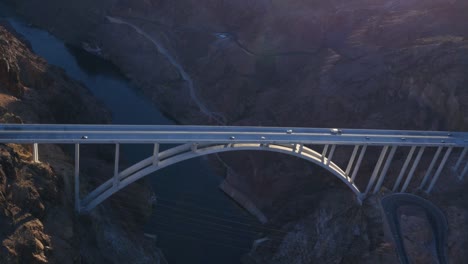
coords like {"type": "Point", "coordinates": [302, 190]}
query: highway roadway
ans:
{"type": "Point", "coordinates": [108, 134]}
{"type": "Point", "coordinates": [436, 218]}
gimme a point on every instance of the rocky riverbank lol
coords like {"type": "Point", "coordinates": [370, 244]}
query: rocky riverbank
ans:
{"type": "Point", "coordinates": [357, 64]}
{"type": "Point", "coordinates": [37, 218]}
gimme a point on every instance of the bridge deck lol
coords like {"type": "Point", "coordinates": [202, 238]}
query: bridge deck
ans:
{"type": "Point", "coordinates": [316, 145]}
{"type": "Point", "coordinates": [103, 134]}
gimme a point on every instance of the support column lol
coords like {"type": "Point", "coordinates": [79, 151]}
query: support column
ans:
{"type": "Point", "coordinates": [358, 164]}
{"type": "Point", "coordinates": [299, 148]}
{"type": "Point", "coordinates": [116, 166]}
{"type": "Point", "coordinates": [194, 147]}
{"type": "Point", "coordinates": [439, 170]}
{"type": "Point", "coordinates": [376, 170]}
{"type": "Point", "coordinates": [413, 169]}
{"type": "Point", "coordinates": [332, 152]}
{"type": "Point", "coordinates": [460, 159]}
{"type": "Point", "coordinates": [465, 170]}
{"type": "Point", "coordinates": [324, 152]}
{"type": "Point", "coordinates": [459, 163]}
{"type": "Point", "coordinates": [351, 160]}
{"type": "Point", "coordinates": [156, 155]}
{"type": "Point", "coordinates": [36, 153]}
{"type": "Point", "coordinates": [385, 169]}
{"type": "Point", "coordinates": [404, 168]}
{"type": "Point", "coordinates": [77, 178]}
{"type": "Point", "coordinates": [431, 166]}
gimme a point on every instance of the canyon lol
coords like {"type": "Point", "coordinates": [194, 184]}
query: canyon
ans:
{"type": "Point", "coordinates": [38, 222]}
{"type": "Point", "coordinates": [352, 64]}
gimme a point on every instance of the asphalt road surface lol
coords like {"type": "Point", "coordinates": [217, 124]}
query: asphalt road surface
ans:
{"type": "Point", "coordinates": [436, 218]}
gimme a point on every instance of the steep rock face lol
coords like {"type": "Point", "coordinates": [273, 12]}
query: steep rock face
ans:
{"type": "Point", "coordinates": [11, 78]}
{"type": "Point", "coordinates": [37, 218]}
{"type": "Point", "coordinates": [26, 191]}
{"type": "Point", "coordinates": [417, 236]}
{"type": "Point", "coordinates": [37, 221]}
{"type": "Point", "coordinates": [361, 63]}
{"type": "Point", "coordinates": [81, 16]}
{"type": "Point", "coordinates": [330, 229]}
{"type": "Point", "coordinates": [458, 235]}
{"type": "Point", "coordinates": [28, 83]}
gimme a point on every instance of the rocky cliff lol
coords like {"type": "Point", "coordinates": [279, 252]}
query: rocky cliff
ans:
{"type": "Point", "coordinates": [37, 220]}
{"type": "Point", "coordinates": [358, 64]}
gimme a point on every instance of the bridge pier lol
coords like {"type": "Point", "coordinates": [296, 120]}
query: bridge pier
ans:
{"type": "Point", "coordinates": [35, 153]}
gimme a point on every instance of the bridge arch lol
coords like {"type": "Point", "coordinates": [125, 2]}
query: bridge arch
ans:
{"type": "Point", "coordinates": [188, 151]}
{"type": "Point", "coordinates": [449, 148]}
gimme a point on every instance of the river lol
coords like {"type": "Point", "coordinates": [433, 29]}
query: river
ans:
{"type": "Point", "coordinates": [193, 220]}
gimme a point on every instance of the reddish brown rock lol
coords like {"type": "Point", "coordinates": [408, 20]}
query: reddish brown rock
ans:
{"type": "Point", "coordinates": [37, 218]}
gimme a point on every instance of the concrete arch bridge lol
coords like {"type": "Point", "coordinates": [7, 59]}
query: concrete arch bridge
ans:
{"type": "Point", "coordinates": [442, 150]}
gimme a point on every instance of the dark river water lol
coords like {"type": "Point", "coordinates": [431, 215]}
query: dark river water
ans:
{"type": "Point", "coordinates": [193, 220]}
